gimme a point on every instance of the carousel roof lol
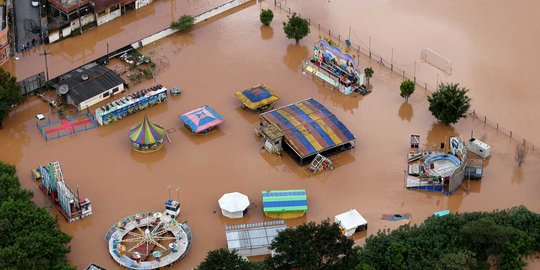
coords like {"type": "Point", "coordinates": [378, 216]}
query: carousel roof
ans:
{"type": "Point", "coordinates": [146, 133]}
{"type": "Point", "coordinates": [257, 96]}
{"type": "Point", "coordinates": [201, 119]}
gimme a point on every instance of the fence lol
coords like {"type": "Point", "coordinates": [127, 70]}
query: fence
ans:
{"type": "Point", "coordinates": [418, 71]}
{"type": "Point", "coordinates": [32, 83]}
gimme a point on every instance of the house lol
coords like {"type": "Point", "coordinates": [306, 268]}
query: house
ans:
{"type": "Point", "coordinates": [4, 34]}
{"type": "Point", "coordinates": [88, 85]}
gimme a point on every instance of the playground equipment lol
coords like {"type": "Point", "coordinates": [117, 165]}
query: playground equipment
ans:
{"type": "Point", "coordinates": [150, 240]}
{"type": "Point", "coordinates": [147, 137]}
{"type": "Point", "coordinates": [257, 98]}
{"type": "Point", "coordinates": [131, 104]}
{"type": "Point", "coordinates": [51, 183]}
{"type": "Point", "coordinates": [320, 163]}
{"type": "Point", "coordinates": [201, 121]}
{"type": "Point", "coordinates": [69, 126]}
{"type": "Point", "coordinates": [335, 68]}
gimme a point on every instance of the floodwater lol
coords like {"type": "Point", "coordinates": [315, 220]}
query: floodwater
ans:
{"type": "Point", "coordinates": [212, 62]}
{"type": "Point", "coordinates": [492, 45]}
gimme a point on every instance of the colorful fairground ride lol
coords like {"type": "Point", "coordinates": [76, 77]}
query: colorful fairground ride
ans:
{"type": "Point", "coordinates": [149, 240]}
{"type": "Point", "coordinates": [335, 68]}
{"type": "Point", "coordinates": [51, 183]}
{"type": "Point", "coordinates": [434, 169]}
{"type": "Point", "coordinates": [147, 137]}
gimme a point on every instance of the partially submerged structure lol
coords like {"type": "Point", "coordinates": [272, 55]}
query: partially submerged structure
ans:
{"type": "Point", "coordinates": [234, 204]}
{"type": "Point", "coordinates": [201, 121]}
{"type": "Point", "coordinates": [68, 203]}
{"type": "Point", "coordinates": [308, 129]}
{"type": "Point", "coordinates": [253, 239]}
{"type": "Point", "coordinates": [284, 204]}
{"type": "Point", "coordinates": [88, 85]}
{"type": "Point", "coordinates": [479, 148]}
{"type": "Point", "coordinates": [147, 137]}
{"type": "Point", "coordinates": [351, 222]}
{"type": "Point", "coordinates": [257, 98]}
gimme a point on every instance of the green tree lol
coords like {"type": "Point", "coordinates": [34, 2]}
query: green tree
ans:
{"type": "Point", "coordinates": [407, 89]}
{"type": "Point", "coordinates": [10, 94]}
{"type": "Point", "coordinates": [368, 72]}
{"type": "Point", "coordinates": [296, 28]}
{"type": "Point", "coordinates": [223, 259]}
{"type": "Point", "coordinates": [313, 246]}
{"type": "Point", "coordinates": [449, 103]}
{"type": "Point", "coordinates": [29, 237]}
{"type": "Point", "coordinates": [185, 22]}
{"type": "Point", "coordinates": [267, 16]}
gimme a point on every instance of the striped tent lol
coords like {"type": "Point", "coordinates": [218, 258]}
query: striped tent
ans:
{"type": "Point", "coordinates": [257, 96]}
{"type": "Point", "coordinates": [285, 203]}
{"type": "Point", "coordinates": [146, 135]}
{"type": "Point", "coordinates": [201, 119]}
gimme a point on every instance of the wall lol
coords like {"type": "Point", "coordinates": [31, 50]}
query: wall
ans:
{"type": "Point", "coordinates": [109, 16]}
{"type": "Point", "coordinates": [96, 99]}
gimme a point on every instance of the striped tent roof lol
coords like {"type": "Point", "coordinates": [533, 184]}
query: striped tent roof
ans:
{"type": "Point", "coordinates": [309, 127]}
{"type": "Point", "coordinates": [281, 201]}
{"type": "Point", "coordinates": [257, 96]}
{"type": "Point", "coordinates": [147, 133]}
{"type": "Point", "coordinates": [201, 119]}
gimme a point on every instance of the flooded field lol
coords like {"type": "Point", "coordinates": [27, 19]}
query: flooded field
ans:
{"type": "Point", "coordinates": [212, 62]}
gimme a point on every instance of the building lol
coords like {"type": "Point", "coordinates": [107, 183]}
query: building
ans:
{"type": "Point", "coordinates": [253, 239]}
{"type": "Point", "coordinates": [88, 85]}
{"type": "Point", "coordinates": [4, 34]}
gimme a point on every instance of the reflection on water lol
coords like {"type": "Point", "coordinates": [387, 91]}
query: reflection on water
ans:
{"type": "Point", "coordinates": [294, 56]}
{"type": "Point", "coordinates": [147, 159]}
{"type": "Point", "coordinates": [439, 134]}
{"type": "Point", "coordinates": [267, 32]}
{"type": "Point", "coordinates": [406, 111]}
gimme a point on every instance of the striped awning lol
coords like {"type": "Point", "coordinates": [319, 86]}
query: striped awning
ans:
{"type": "Point", "coordinates": [257, 96]}
{"type": "Point", "coordinates": [146, 133]}
{"type": "Point", "coordinates": [281, 201]}
{"type": "Point", "coordinates": [309, 127]}
{"type": "Point", "coordinates": [201, 119]}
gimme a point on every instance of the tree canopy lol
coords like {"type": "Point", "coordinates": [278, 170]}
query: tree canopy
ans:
{"type": "Point", "coordinates": [267, 16]}
{"type": "Point", "coordinates": [368, 72]}
{"type": "Point", "coordinates": [29, 237]}
{"type": "Point", "coordinates": [10, 94]}
{"type": "Point", "coordinates": [185, 22]}
{"type": "Point", "coordinates": [313, 246]}
{"type": "Point", "coordinates": [296, 27]}
{"type": "Point", "coordinates": [407, 89]}
{"type": "Point", "coordinates": [223, 259]}
{"type": "Point", "coordinates": [449, 103]}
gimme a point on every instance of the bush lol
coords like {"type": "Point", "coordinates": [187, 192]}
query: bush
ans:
{"type": "Point", "coordinates": [368, 72]}
{"type": "Point", "coordinates": [407, 89]}
{"type": "Point", "coordinates": [266, 16]}
{"type": "Point", "coordinates": [296, 28]}
{"type": "Point", "coordinates": [185, 22]}
{"type": "Point", "coordinates": [449, 103]}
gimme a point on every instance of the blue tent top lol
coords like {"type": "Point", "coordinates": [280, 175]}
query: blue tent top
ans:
{"type": "Point", "coordinates": [201, 119]}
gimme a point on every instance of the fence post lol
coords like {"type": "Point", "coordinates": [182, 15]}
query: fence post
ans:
{"type": "Point", "coordinates": [414, 75]}
{"type": "Point", "coordinates": [392, 62]}
{"type": "Point", "coordinates": [425, 87]}
{"type": "Point", "coordinates": [524, 142]}
{"type": "Point", "coordinates": [329, 33]}
{"type": "Point", "coordinates": [472, 134]}
{"type": "Point", "coordinates": [510, 134]}
{"type": "Point", "coordinates": [485, 119]}
{"type": "Point", "coordinates": [319, 27]}
{"type": "Point", "coordinates": [404, 74]}
{"type": "Point", "coordinates": [289, 10]}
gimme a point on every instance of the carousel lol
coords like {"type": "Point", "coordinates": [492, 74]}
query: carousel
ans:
{"type": "Point", "coordinates": [147, 137]}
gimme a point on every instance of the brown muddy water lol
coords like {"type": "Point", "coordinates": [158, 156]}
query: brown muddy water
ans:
{"type": "Point", "coordinates": [212, 62]}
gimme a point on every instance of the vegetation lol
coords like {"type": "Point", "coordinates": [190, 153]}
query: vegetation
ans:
{"type": "Point", "coordinates": [223, 259]}
{"type": "Point", "coordinates": [313, 246]}
{"type": "Point", "coordinates": [267, 16]}
{"type": "Point", "coordinates": [457, 241]}
{"type": "Point", "coordinates": [10, 94]}
{"type": "Point", "coordinates": [29, 237]}
{"type": "Point", "coordinates": [407, 89]}
{"type": "Point", "coordinates": [296, 28]}
{"type": "Point", "coordinates": [185, 22]}
{"type": "Point", "coordinates": [449, 103]}
{"type": "Point", "coordinates": [369, 73]}
{"type": "Point", "coordinates": [521, 153]}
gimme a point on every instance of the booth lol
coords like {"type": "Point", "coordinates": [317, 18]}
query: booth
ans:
{"type": "Point", "coordinates": [479, 148]}
{"type": "Point", "coordinates": [234, 205]}
{"type": "Point", "coordinates": [257, 98]}
{"type": "Point", "coordinates": [285, 204]}
{"type": "Point", "coordinates": [201, 121]}
{"type": "Point", "coordinates": [351, 222]}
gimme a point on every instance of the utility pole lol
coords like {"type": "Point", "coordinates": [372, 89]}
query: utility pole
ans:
{"type": "Point", "coordinates": [79, 14]}
{"type": "Point", "coordinates": [45, 53]}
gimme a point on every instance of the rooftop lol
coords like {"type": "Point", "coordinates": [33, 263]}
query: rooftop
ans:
{"type": "Point", "coordinates": [253, 235]}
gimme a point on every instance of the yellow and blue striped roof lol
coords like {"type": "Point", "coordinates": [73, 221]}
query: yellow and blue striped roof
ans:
{"type": "Point", "coordinates": [147, 133]}
{"type": "Point", "coordinates": [257, 96]}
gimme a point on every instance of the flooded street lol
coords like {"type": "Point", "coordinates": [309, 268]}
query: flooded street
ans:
{"type": "Point", "coordinates": [232, 54]}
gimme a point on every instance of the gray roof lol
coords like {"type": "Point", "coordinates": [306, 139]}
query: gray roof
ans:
{"type": "Point", "coordinates": [100, 79]}
{"type": "Point", "coordinates": [94, 267]}
{"type": "Point", "coordinates": [253, 235]}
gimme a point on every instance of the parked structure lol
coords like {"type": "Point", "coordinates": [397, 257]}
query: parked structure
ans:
{"type": "Point", "coordinates": [284, 204]}
{"type": "Point", "coordinates": [88, 85]}
{"type": "Point", "coordinates": [253, 239]}
{"type": "Point", "coordinates": [351, 222]}
{"type": "Point", "coordinates": [479, 148]}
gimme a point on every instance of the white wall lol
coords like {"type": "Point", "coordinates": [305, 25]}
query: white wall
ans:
{"type": "Point", "coordinates": [98, 98]}
{"type": "Point", "coordinates": [107, 17]}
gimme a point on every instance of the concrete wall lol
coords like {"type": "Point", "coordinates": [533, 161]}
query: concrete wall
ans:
{"type": "Point", "coordinates": [109, 16]}
{"type": "Point", "coordinates": [98, 98]}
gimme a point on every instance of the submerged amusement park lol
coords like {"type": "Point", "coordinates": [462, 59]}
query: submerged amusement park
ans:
{"type": "Point", "coordinates": [263, 134]}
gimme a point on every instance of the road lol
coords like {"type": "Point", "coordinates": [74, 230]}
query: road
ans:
{"type": "Point", "coordinates": [27, 23]}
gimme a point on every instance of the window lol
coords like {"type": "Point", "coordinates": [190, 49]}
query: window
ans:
{"type": "Point", "coordinates": [106, 94]}
{"type": "Point", "coordinates": [114, 90]}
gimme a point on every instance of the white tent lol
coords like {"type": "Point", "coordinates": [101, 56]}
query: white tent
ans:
{"type": "Point", "coordinates": [233, 204]}
{"type": "Point", "coordinates": [351, 222]}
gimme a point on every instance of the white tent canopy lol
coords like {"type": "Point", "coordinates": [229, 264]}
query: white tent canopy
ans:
{"type": "Point", "coordinates": [350, 220]}
{"type": "Point", "coordinates": [233, 204]}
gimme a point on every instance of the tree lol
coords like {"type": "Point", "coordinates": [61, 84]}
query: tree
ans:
{"type": "Point", "coordinates": [223, 259]}
{"type": "Point", "coordinates": [29, 237]}
{"type": "Point", "coordinates": [521, 153]}
{"type": "Point", "coordinates": [369, 73]}
{"type": "Point", "coordinates": [266, 16]}
{"type": "Point", "coordinates": [407, 89]}
{"type": "Point", "coordinates": [185, 22]}
{"type": "Point", "coordinates": [296, 28]}
{"type": "Point", "coordinates": [313, 246]}
{"type": "Point", "coordinates": [449, 103]}
{"type": "Point", "coordinates": [10, 94]}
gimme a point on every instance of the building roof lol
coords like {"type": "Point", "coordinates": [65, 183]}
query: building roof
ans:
{"type": "Point", "coordinates": [100, 79]}
{"type": "Point", "coordinates": [282, 201]}
{"type": "Point", "coordinates": [147, 133]}
{"type": "Point", "coordinates": [253, 235]}
{"type": "Point", "coordinates": [94, 267]}
{"type": "Point", "coordinates": [68, 5]}
{"type": "Point", "coordinates": [201, 119]}
{"type": "Point", "coordinates": [257, 96]}
{"type": "Point", "coordinates": [351, 219]}
{"type": "Point", "coordinates": [101, 5]}
{"type": "Point", "coordinates": [309, 127]}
